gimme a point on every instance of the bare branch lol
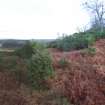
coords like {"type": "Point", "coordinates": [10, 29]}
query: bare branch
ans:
{"type": "Point", "coordinates": [97, 10]}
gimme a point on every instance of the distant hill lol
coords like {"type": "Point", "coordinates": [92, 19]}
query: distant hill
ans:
{"type": "Point", "coordinates": [44, 40]}
{"type": "Point", "coordinates": [15, 43]}
{"type": "Point", "coordinates": [11, 43]}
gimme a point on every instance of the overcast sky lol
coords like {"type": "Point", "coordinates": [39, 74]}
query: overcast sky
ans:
{"type": "Point", "coordinates": [40, 19]}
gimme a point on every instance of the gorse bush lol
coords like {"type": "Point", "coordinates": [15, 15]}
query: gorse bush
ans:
{"type": "Point", "coordinates": [39, 69]}
{"type": "Point", "coordinates": [78, 40]}
{"type": "Point", "coordinates": [39, 65]}
{"type": "Point", "coordinates": [90, 39]}
{"type": "Point", "coordinates": [97, 34]}
{"type": "Point", "coordinates": [26, 51]}
{"type": "Point", "coordinates": [52, 44]}
{"type": "Point", "coordinates": [74, 42]}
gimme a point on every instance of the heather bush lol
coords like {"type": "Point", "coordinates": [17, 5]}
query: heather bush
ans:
{"type": "Point", "coordinates": [7, 62]}
{"type": "Point", "coordinates": [53, 98]}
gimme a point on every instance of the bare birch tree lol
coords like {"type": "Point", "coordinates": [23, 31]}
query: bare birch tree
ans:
{"type": "Point", "coordinates": [96, 8]}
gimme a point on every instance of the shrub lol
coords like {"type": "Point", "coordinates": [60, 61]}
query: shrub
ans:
{"type": "Point", "coordinates": [72, 42]}
{"type": "Point", "coordinates": [97, 34]}
{"type": "Point", "coordinates": [90, 39]}
{"type": "Point", "coordinates": [29, 49]}
{"type": "Point", "coordinates": [91, 51]}
{"type": "Point", "coordinates": [52, 44]}
{"type": "Point", "coordinates": [79, 40]}
{"type": "Point", "coordinates": [39, 68]}
{"type": "Point", "coordinates": [26, 51]}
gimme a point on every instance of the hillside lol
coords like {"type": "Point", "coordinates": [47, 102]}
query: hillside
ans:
{"type": "Point", "coordinates": [81, 80]}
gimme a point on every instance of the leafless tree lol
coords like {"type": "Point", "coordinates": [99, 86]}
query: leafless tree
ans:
{"type": "Point", "coordinates": [96, 8]}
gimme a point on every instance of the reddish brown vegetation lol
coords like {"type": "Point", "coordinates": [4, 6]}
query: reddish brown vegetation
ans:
{"type": "Point", "coordinates": [8, 90]}
{"type": "Point", "coordinates": [83, 81]}
{"type": "Point", "coordinates": [14, 93]}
